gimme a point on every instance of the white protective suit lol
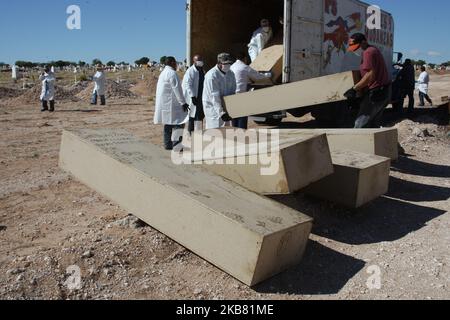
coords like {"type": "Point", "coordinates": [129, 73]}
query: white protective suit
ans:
{"type": "Point", "coordinates": [190, 88]}
{"type": "Point", "coordinates": [14, 72]}
{"type": "Point", "coordinates": [170, 99]}
{"type": "Point", "coordinates": [423, 82]}
{"type": "Point", "coordinates": [258, 42]}
{"type": "Point", "coordinates": [48, 86]}
{"type": "Point", "coordinates": [100, 83]}
{"type": "Point", "coordinates": [217, 85]}
{"type": "Point", "coordinates": [244, 75]}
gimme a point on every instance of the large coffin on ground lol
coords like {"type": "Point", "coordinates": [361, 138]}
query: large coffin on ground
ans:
{"type": "Point", "coordinates": [247, 235]}
{"type": "Point", "coordinates": [265, 167]}
{"type": "Point", "coordinates": [380, 142]}
{"type": "Point", "coordinates": [299, 94]}
{"type": "Point", "coordinates": [357, 180]}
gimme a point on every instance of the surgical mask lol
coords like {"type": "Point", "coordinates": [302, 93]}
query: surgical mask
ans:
{"type": "Point", "coordinates": [199, 64]}
{"type": "Point", "coordinates": [226, 68]}
{"type": "Point", "coordinates": [266, 29]}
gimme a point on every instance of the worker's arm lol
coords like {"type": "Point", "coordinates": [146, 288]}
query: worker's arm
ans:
{"type": "Point", "coordinates": [216, 97]}
{"type": "Point", "coordinates": [190, 85]}
{"type": "Point", "coordinates": [365, 81]}
{"type": "Point", "coordinates": [255, 75]}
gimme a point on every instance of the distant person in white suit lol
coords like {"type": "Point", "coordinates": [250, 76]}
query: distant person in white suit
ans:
{"type": "Point", "coordinates": [14, 72]}
{"type": "Point", "coordinates": [48, 90]}
{"type": "Point", "coordinates": [100, 87]}
{"type": "Point", "coordinates": [423, 84]}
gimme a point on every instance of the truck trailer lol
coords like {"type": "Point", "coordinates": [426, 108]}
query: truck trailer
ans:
{"type": "Point", "coordinates": [314, 35]}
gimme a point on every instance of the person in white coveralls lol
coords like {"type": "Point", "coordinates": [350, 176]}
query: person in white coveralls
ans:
{"type": "Point", "coordinates": [219, 83]}
{"type": "Point", "coordinates": [171, 108]}
{"type": "Point", "coordinates": [100, 87]}
{"type": "Point", "coordinates": [48, 90]}
{"type": "Point", "coordinates": [244, 76]}
{"type": "Point", "coordinates": [193, 83]}
{"type": "Point", "coordinates": [259, 40]}
{"type": "Point", "coordinates": [422, 84]}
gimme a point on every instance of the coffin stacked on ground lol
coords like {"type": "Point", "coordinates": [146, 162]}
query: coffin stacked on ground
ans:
{"type": "Point", "coordinates": [240, 231]}
{"type": "Point", "coordinates": [247, 235]}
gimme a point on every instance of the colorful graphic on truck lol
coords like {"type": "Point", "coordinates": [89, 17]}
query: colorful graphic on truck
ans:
{"type": "Point", "coordinates": [342, 18]}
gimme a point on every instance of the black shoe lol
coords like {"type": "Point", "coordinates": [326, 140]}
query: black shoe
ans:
{"type": "Point", "coordinates": [43, 110]}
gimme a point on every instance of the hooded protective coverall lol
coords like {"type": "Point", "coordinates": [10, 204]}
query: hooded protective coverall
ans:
{"type": "Point", "coordinates": [99, 88]}
{"type": "Point", "coordinates": [217, 86]}
{"type": "Point", "coordinates": [48, 91]}
{"type": "Point", "coordinates": [258, 42]}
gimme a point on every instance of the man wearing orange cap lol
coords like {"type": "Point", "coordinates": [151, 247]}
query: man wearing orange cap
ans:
{"type": "Point", "coordinates": [375, 85]}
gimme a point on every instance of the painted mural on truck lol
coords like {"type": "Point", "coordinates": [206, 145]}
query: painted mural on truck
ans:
{"type": "Point", "coordinates": [342, 18]}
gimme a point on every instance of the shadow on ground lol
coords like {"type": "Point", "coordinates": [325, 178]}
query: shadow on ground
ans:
{"type": "Point", "coordinates": [322, 271]}
{"type": "Point", "coordinates": [417, 192]}
{"type": "Point", "coordinates": [382, 220]}
{"type": "Point", "coordinates": [424, 115]}
{"type": "Point", "coordinates": [408, 165]}
{"type": "Point", "coordinates": [435, 115]}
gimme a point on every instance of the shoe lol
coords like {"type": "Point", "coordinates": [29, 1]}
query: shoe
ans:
{"type": "Point", "coordinates": [43, 110]}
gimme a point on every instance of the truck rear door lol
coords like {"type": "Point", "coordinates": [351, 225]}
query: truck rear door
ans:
{"type": "Point", "coordinates": [304, 34]}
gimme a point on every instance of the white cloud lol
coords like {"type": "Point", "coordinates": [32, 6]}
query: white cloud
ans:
{"type": "Point", "coordinates": [434, 54]}
{"type": "Point", "coordinates": [414, 52]}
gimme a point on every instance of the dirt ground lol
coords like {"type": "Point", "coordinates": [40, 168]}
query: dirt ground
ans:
{"type": "Point", "coordinates": [50, 222]}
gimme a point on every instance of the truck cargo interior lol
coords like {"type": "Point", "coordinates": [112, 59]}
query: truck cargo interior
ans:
{"type": "Point", "coordinates": [227, 26]}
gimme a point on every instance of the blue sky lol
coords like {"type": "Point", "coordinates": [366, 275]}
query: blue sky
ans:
{"type": "Point", "coordinates": [127, 30]}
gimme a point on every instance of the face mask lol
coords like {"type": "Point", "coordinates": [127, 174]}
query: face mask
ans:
{"type": "Point", "coordinates": [199, 64]}
{"type": "Point", "coordinates": [226, 68]}
{"type": "Point", "coordinates": [266, 29]}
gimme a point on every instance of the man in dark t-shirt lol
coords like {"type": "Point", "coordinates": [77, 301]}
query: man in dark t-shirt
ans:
{"type": "Point", "coordinates": [375, 85]}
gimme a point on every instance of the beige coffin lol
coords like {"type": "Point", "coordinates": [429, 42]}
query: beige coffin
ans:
{"type": "Point", "coordinates": [248, 236]}
{"type": "Point", "coordinates": [357, 180]}
{"type": "Point", "coordinates": [290, 167]}
{"type": "Point", "coordinates": [380, 142]}
{"type": "Point", "coordinates": [292, 95]}
{"type": "Point", "coordinates": [270, 60]}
